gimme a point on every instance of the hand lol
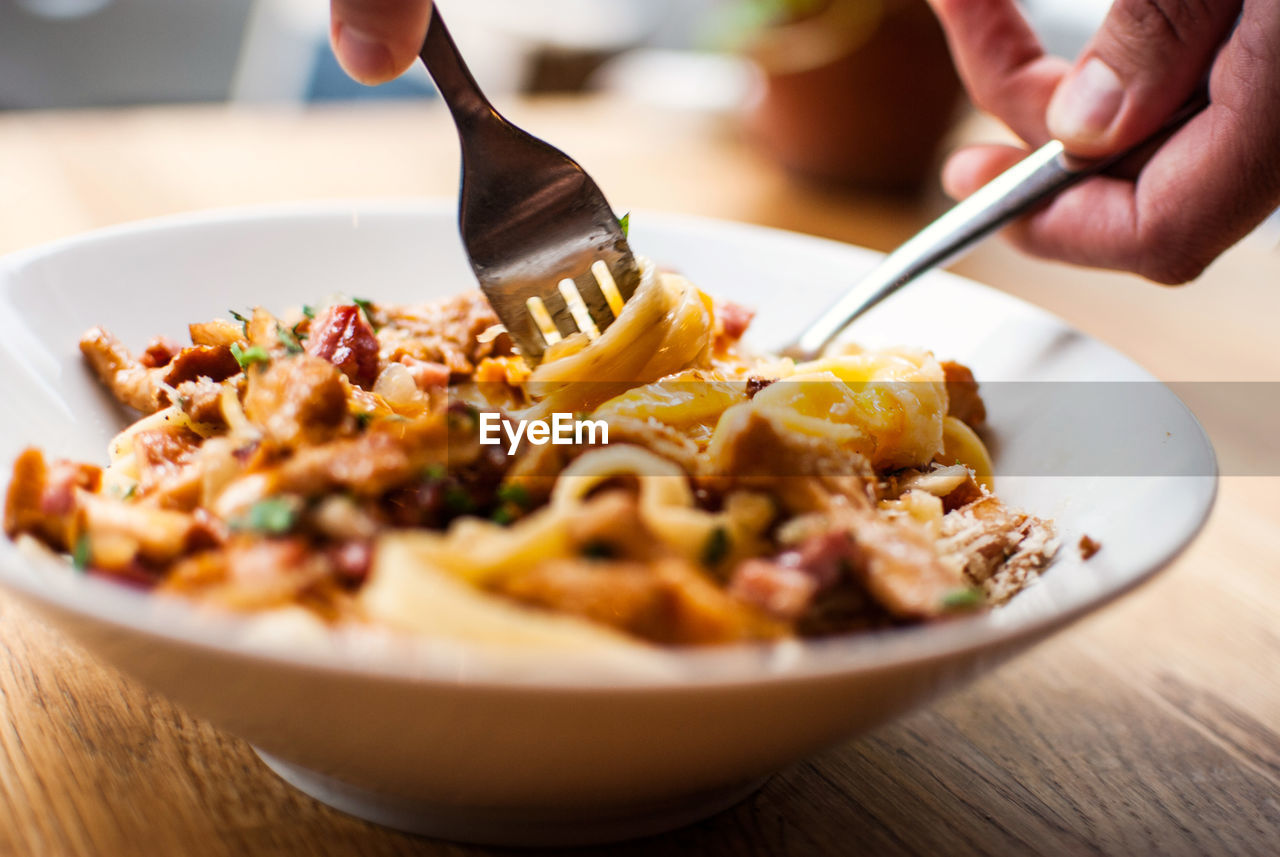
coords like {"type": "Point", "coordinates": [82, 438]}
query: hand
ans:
{"type": "Point", "coordinates": [1201, 191]}
{"type": "Point", "coordinates": [376, 40]}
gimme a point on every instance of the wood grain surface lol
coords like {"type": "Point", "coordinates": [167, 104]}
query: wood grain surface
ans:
{"type": "Point", "coordinates": [1150, 729]}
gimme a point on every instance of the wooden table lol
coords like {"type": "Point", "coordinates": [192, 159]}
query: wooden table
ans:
{"type": "Point", "coordinates": [1149, 729]}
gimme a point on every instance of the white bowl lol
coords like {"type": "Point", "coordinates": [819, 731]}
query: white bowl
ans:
{"type": "Point", "coordinates": [498, 747]}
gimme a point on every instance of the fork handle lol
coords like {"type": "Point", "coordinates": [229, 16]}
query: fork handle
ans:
{"type": "Point", "coordinates": [453, 79]}
{"type": "Point", "coordinates": [1045, 172]}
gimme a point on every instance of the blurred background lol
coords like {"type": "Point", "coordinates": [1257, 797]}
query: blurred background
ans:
{"type": "Point", "coordinates": [856, 93]}
{"type": "Point", "coordinates": [75, 53]}
{"type": "Point", "coordinates": [781, 64]}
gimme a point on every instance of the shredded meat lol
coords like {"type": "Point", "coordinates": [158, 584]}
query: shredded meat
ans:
{"type": "Point", "coordinates": [127, 379]}
{"type": "Point", "coordinates": [804, 473]}
{"type": "Point", "coordinates": [893, 563]}
{"type": "Point", "coordinates": [366, 465]}
{"type": "Point", "coordinates": [443, 331]}
{"type": "Point", "coordinates": [297, 401]}
{"type": "Point", "coordinates": [899, 567]}
{"type": "Point", "coordinates": [201, 400]}
{"type": "Point", "coordinates": [161, 453]}
{"type": "Point", "coordinates": [999, 549]}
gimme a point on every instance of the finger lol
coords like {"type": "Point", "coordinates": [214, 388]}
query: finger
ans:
{"type": "Point", "coordinates": [1203, 190]}
{"type": "Point", "coordinates": [1004, 68]}
{"type": "Point", "coordinates": [1090, 225]}
{"type": "Point", "coordinates": [376, 40]}
{"type": "Point", "coordinates": [1145, 60]}
{"type": "Point", "coordinates": [1195, 199]}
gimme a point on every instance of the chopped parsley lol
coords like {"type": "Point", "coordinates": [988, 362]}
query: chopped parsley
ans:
{"type": "Point", "coordinates": [244, 322]}
{"type": "Point", "coordinates": [363, 418]}
{"type": "Point", "coordinates": [502, 515]}
{"type": "Point", "coordinates": [514, 494]}
{"type": "Point", "coordinates": [129, 495]}
{"type": "Point", "coordinates": [625, 222]}
{"type": "Point", "coordinates": [716, 547]}
{"type": "Point", "coordinates": [274, 516]}
{"type": "Point", "coordinates": [466, 419]}
{"type": "Point", "coordinates": [246, 357]}
{"type": "Point", "coordinates": [435, 472]}
{"type": "Point", "coordinates": [308, 310]}
{"type": "Point", "coordinates": [456, 499]}
{"type": "Point", "coordinates": [962, 599]}
{"type": "Point", "coordinates": [81, 553]}
{"type": "Point", "coordinates": [289, 339]}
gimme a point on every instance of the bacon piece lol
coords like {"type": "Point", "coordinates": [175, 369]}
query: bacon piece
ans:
{"type": "Point", "coordinates": [755, 384]}
{"type": "Point", "coordinates": [162, 453]}
{"type": "Point", "coordinates": [351, 560]}
{"type": "Point", "coordinates": [215, 362]}
{"type": "Point", "coordinates": [962, 393]}
{"type": "Point", "coordinates": [786, 585]}
{"type": "Point", "coordinates": [780, 590]}
{"type": "Point", "coordinates": [425, 373]}
{"type": "Point", "coordinates": [159, 351]}
{"type": "Point", "coordinates": [41, 499]}
{"type": "Point", "coordinates": [268, 572]}
{"type": "Point", "coordinates": [734, 318]}
{"type": "Point", "coordinates": [341, 335]}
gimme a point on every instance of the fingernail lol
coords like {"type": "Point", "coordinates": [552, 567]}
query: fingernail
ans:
{"type": "Point", "coordinates": [1085, 104]}
{"type": "Point", "coordinates": [361, 55]}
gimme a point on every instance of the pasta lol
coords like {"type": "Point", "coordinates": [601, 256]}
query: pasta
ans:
{"type": "Point", "coordinates": [659, 483]}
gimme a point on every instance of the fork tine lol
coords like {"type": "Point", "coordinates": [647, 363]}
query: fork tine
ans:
{"type": "Point", "coordinates": [593, 296]}
{"type": "Point", "coordinates": [560, 314]}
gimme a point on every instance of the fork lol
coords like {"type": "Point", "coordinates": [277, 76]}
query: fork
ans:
{"type": "Point", "coordinates": [550, 255]}
{"type": "Point", "coordinates": [1038, 177]}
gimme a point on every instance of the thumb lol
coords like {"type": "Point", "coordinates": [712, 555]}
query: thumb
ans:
{"type": "Point", "coordinates": [376, 40]}
{"type": "Point", "coordinates": [1145, 60]}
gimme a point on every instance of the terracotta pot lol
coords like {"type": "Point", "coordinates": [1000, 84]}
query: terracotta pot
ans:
{"type": "Point", "coordinates": [861, 92]}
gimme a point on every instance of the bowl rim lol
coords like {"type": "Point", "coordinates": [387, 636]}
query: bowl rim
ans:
{"type": "Point", "coordinates": [173, 620]}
